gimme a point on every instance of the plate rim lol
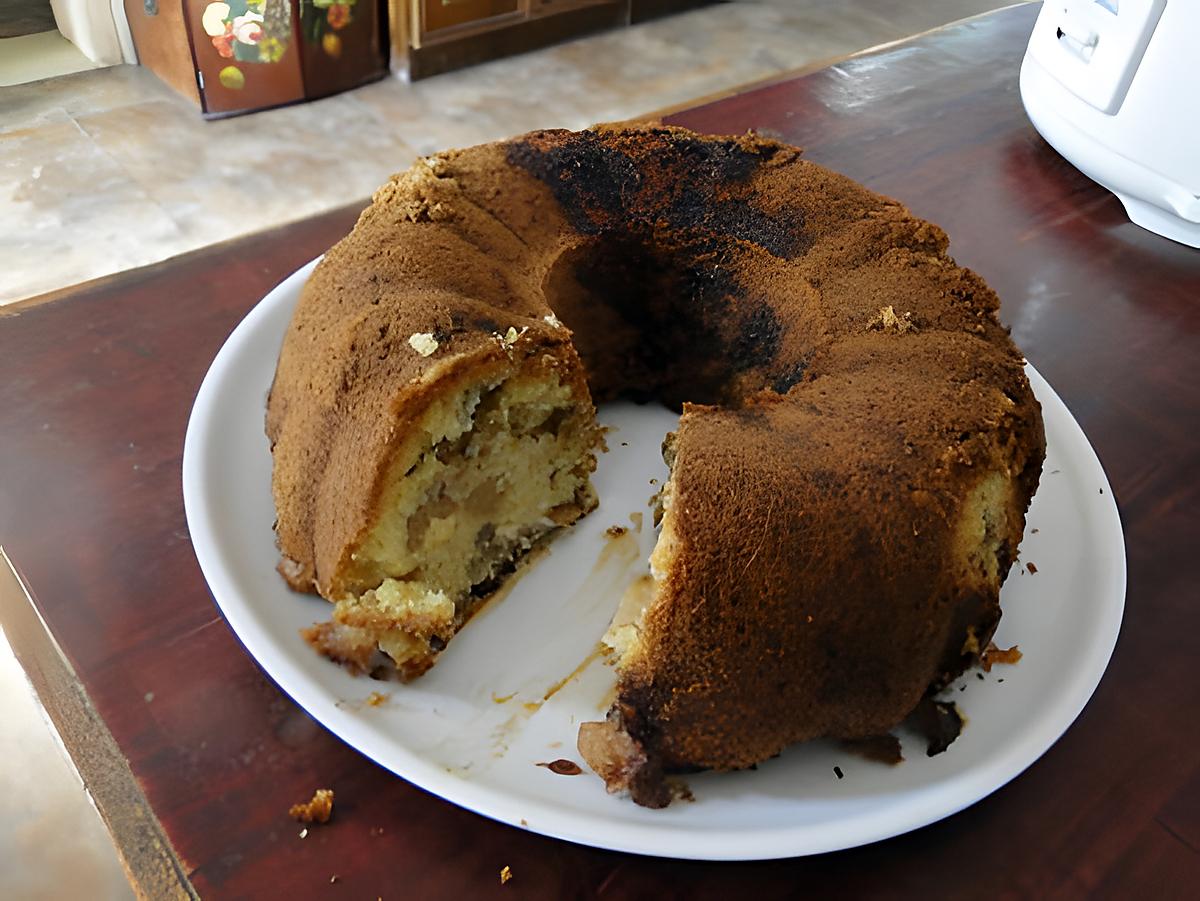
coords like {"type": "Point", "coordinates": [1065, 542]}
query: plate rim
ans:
{"type": "Point", "coordinates": [540, 817]}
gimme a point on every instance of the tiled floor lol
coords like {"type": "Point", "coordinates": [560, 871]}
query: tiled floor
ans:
{"type": "Point", "coordinates": [53, 843]}
{"type": "Point", "coordinates": [107, 170]}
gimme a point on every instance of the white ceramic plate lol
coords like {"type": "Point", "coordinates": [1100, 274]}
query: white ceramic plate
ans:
{"type": "Point", "coordinates": [473, 729]}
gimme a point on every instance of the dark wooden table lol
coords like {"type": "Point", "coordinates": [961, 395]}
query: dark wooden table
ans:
{"type": "Point", "coordinates": [206, 754]}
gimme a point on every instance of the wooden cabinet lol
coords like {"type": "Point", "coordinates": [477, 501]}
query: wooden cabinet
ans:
{"type": "Point", "coordinates": [435, 21]}
{"type": "Point", "coordinates": [440, 14]}
{"type": "Point", "coordinates": [235, 56]}
{"type": "Point", "coordinates": [432, 36]}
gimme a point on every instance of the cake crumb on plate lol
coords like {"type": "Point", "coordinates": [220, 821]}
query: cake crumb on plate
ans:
{"type": "Point", "coordinates": [994, 655]}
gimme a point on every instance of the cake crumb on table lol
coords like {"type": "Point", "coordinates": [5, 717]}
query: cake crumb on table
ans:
{"type": "Point", "coordinates": [318, 810]}
{"type": "Point", "coordinates": [505, 875]}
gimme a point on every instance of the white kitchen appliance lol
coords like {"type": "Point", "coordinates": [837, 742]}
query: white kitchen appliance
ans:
{"type": "Point", "coordinates": [1114, 86]}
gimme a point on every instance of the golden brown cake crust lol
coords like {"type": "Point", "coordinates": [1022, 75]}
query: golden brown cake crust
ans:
{"type": "Point", "coordinates": [848, 596]}
{"type": "Point", "coordinates": [350, 382]}
{"type": "Point", "coordinates": [847, 391]}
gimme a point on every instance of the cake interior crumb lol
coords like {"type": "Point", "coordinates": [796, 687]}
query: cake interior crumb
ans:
{"type": "Point", "coordinates": [502, 463]}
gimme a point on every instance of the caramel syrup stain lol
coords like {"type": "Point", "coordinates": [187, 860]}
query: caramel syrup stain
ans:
{"type": "Point", "coordinates": [610, 698]}
{"type": "Point", "coordinates": [596, 654]}
{"type": "Point", "coordinates": [488, 602]}
{"type": "Point", "coordinates": [634, 602]}
{"type": "Point", "coordinates": [622, 545]}
{"type": "Point", "coordinates": [563, 767]}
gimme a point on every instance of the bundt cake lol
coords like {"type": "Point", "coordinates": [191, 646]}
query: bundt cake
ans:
{"type": "Point", "coordinates": [857, 448]}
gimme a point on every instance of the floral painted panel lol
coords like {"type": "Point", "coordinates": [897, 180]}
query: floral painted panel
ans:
{"type": "Point", "coordinates": [249, 31]}
{"type": "Point", "coordinates": [253, 54]}
{"type": "Point", "coordinates": [321, 20]}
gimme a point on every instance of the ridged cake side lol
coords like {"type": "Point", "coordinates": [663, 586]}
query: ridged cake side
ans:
{"type": "Point", "coordinates": [414, 380]}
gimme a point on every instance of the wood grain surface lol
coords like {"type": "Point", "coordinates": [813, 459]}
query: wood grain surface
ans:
{"type": "Point", "coordinates": [95, 391]}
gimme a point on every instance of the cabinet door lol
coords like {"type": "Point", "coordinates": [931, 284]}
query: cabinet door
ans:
{"type": "Point", "coordinates": [439, 14]}
{"type": "Point", "coordinates": [160, 34]}
{"type": "Point", "coordinates": [540, 6]}
{"type": "Point", "coordinates": [341, 45]}
{"type": "Point", "coordinates": [245, 52]}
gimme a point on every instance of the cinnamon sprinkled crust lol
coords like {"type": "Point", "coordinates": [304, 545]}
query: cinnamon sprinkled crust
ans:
{"type": "Point", "coordinates": [857, 447]}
